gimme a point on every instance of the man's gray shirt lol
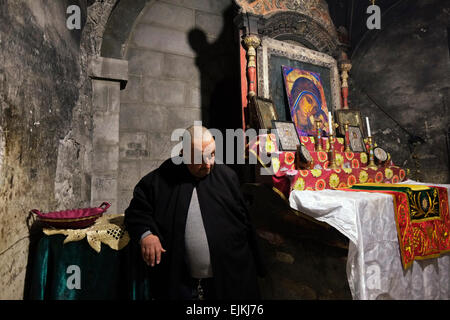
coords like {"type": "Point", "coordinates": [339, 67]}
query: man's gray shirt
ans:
{"type": "Point", "coordinates": [197, 248]}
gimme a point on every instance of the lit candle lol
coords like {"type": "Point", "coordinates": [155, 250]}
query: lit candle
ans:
{"type": "Point", "coordinates": [329, 123]}
{"type": "Point", "coordinates": [368, 127]}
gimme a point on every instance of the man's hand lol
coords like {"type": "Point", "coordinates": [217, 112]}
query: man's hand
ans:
{"type": "Point", "coordinates": [151, 250]}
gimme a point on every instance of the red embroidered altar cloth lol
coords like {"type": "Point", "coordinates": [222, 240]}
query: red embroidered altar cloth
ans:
{"type": "Point", "coordinates": [421, 216]}
{"type": "Point", "coordinates": [353, 167]}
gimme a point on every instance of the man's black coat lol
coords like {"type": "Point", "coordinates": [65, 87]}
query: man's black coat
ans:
{"type": "Point", "coordinates": [160, 204]}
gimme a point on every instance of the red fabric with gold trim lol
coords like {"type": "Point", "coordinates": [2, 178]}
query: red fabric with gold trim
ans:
{"type": "Point", "coordinates": [343, 159]}
{"type": "Point", "coordinates": [419, 239]}
{"type": "Point", "coordinates": [333, 178]}
{"type": "Point", "coordinates": [264, 147]}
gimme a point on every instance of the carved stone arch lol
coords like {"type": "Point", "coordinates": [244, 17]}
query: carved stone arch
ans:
{"type": "Point", "coordinates": [98, 14]}
{"type": "Point", "coordinates": [296, 27]}
{"type": "Point", "coordinates": [119, 27]}
{"type": "Point", "coordinates": [305, 22]}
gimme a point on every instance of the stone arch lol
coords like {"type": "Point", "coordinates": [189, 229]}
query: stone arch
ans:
{"type": "Point", "coordinates": [302, 29]}
{"type": "Point", "coordinates": [305, 22]}
{"type": "Point", "coordinates": [120, 24]}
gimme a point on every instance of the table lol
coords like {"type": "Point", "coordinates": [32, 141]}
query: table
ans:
{"type": "Point", "coordinates": [374, 268]}
{"type": "Point", "coordinates": [76, 271]}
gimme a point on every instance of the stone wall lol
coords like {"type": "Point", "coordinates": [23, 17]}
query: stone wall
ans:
{"type": "Point", "coordinates": [170, 46]}
{"type": "Point", "coordinates": [39, 89]}
{"type": "Point", "coordinates": [403, 70]}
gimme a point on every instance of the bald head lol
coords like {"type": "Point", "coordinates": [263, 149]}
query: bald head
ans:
{"type": "Point", "coordinates": [199, 157]}
{"type": "Point", "coordinates": [199, 134]}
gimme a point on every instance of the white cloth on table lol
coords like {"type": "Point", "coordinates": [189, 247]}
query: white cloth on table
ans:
{"type": "Point", "coordinates": [374, 267]}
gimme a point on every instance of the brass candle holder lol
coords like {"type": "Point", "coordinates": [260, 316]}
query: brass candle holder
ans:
{"type": "Point", "coordinates": [331, 153]}
{"type": "Point", "coordinates": [318, 145]}
{"type": "Point", "coordinates": [347, 138]}
{"type": "Point", "coordinates": [372, 164]}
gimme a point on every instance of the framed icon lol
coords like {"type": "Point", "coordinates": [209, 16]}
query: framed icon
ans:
{"type": "Point", "coordinates": [287, 135]}
{"type": "Point", "coordinates": [272, 55]}
{"type": "Point", "coordinates": [306, 99]}
{"type": "Point", "coordinates": [350, 116]}
{"type": "Point", "coordinates": [356, 139]}
{"type": "Point", "coordinates": [265, 112]}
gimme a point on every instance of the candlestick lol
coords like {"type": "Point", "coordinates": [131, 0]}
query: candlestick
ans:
{"type": "Point", "coordinates": [372, 164]}
{"type": "Point", "coordinates": [331, 154]}
{"type": "Point", "coordinates": [347, 138]}
{"type": "Point", "coordinates": [318, 144]}
{"type": "Point", "coordinates": [368, 127]}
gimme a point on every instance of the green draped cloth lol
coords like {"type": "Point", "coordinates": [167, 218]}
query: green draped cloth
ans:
{"type": "Point", "coordinates": [107, 275]}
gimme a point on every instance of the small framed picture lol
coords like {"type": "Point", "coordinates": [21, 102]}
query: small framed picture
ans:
{"type": "Point", "coordinates": [350, 116]}
{"type": "Point", "coordinates": [356, 139]}
{"type": "Point", "coordinates": [287, 135]}
{"type": "Point", "coordinates": [265, 112]}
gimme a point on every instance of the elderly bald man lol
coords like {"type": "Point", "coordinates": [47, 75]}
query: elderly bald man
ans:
{"type": "Point", "coordinates": [193, 227]}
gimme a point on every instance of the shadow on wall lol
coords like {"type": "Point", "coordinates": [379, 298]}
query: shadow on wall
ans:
{"type": "Point", "coordinates": [218, 64]}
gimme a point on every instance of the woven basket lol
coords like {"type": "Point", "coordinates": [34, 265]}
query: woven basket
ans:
{"type": "Point", "coordinates": [72, 219]}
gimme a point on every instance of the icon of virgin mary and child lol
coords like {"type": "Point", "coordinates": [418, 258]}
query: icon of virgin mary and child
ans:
{"type": "Point", "coordinates": [307, 101]}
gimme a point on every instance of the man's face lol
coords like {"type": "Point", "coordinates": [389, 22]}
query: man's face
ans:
{"type": "Point", "coordinates": [202, 158]}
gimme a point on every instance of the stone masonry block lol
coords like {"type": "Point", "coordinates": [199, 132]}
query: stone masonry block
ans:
{"type": "Point", "coordinates": [177, 119]}
{"type": "Point", "coordinates": [103, 187]}
{"type": "Point", "coordinates": [181, 118]}
{"type": "Point", "coordinates": [133, 91]}
{"type": "Point", "coordinates": [162, 39]}
{"type": "Point", "coordinates": [129, 175]}
{"type": "Point", "coordinates": [192, 115]}
{"type": "Point", "coordinates": [160, 146]}
{"type": "Point", "coordinates": [171, 16]}
{"type": "Point", "coordinates": [181, 68]}
{"type": "Point", "coordinates": [106, 158]}
{"type": "Point", "coordinates": [143, 117]}
{"type": "Point", "coordinates": [164, 92]}
{"type": "Point", "coordinates": [106, 129]}
{"type": "Point", "coordinates": [195, 98]}
{"type": "Point", "coordinates": [211, 24]}
{"type": "Point", "coordinates": [114, 69]}
{"type": "Point", "coordinates": [106, 96]}
{"type": "Point", "coordinates": [124, 200]}
{"type": "Point", "coordinates": [133, 145]}
{"type": "Point", "coordinates": [145, 62]}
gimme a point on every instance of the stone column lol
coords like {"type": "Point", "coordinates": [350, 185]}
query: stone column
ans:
{"type": "Point", "coordinates": [345, 66]}
{"type": "Point", "coordinates": [109, 76]}
{"type": "Point", "coordinates": [247, 24]}
{"type": "Point", "coordinates": [252, 41]}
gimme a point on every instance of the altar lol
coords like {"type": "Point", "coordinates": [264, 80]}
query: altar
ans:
{"type": "Point", "coordinates": [314, 150]}
{"type": "Point", "coordinates": [374, 264]}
